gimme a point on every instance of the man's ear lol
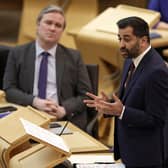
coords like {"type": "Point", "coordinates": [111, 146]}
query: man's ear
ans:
{"type": "Point", "coordinates": [144, 41]}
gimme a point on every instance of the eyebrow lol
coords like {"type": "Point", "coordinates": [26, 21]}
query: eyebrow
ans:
{"type": "Point", "coordinates": [124, 35]}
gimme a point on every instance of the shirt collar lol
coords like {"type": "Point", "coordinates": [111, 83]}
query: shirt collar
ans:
{"type": "Point", "coordinates": [39, 49]}
{"type": "Point", "coordinates": [138, 59]}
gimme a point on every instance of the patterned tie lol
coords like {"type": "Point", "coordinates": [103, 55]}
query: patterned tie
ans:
{"type": "Point", "coordinates": [130, 74]}
{"type": "Point", "coordinates": [42, 82]}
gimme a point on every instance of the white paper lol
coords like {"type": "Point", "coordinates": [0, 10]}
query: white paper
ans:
{"type": "Point", "coordinates": [44, 135]}
{"type": "Point", "coordinates": [91, 158]}
{"type": "Point", "coordinates": [116, 165]}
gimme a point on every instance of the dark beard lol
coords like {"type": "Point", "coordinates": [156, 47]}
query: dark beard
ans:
{"type": "Point", "coordinates": [134, 51]}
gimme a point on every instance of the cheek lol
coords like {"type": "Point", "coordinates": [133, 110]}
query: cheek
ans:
{"type": "Point", "coordinates": [42, 28]}
{"type": "Point", "coordinates": [39, 30]}
{"type": "Point", "coordinates": [59, 32]}
{"type": "Point", "coordinates": [131, 46]}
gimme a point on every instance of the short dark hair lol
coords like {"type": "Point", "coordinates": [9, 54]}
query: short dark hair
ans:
{"type": "Point", "coordinates": [140, 26]}
{"type": "Point", "coordinates": [50, 9]}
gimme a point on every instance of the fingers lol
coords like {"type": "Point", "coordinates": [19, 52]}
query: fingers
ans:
{"type": "Point", "coordinates": [115, 97]}
{"type": "Point", "coordinates": [95, 99]}
{"type": "Point", "coordinates": [49, 106]}
{"type": "Point", "coordinates": [52, 113]}
{"type": "Point", "coordinates": [89, 103]}
{"type": "Point", "coordinates": [51, 103]}
{"type": "Point", "coordinates": [91, 95]}
{"type": "Point", "coordinates": [104, 96]}
{"type": "Point", "coordinates": [102, 105]}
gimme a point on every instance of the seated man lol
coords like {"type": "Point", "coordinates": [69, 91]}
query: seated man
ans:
{"type": "Point", "coordinates": [48, 75]}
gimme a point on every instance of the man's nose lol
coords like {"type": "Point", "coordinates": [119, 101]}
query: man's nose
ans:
{"type": "Point", "coordinates": [122, 44]}
{"type": "Point", "coordinates": [52, 27]}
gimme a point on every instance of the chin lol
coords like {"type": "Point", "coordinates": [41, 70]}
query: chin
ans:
{"type": "Point", "coordinates": [124, 55]}
{"type": "Point", "coordinates": [51, 41]}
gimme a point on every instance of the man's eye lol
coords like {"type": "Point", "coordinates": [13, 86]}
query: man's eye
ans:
{"type": "Point", "coordinates": [58, 25]}
{"type": "Point", "coordinates": [127, 40]}
{"type": "Point", "coordinates": [48, 22]}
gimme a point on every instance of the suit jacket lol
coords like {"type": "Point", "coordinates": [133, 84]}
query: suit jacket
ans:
{"type": "Point", "coordinates": [139, 136]}
{"type": "Point", "coordinates": [71, 78]}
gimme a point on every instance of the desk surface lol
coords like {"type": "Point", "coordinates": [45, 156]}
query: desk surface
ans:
{"type": "Point", "coordinates": [14, 134]}
{"type": "Point", "coordinates": [79, 141]}
{"type": "Point", "coordinates": [11, 128]}
{"type": "Point", "coordinates": [160, 42]}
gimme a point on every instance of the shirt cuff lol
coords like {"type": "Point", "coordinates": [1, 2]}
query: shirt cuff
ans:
{"type": "Point", "coordinates": [122, 113]}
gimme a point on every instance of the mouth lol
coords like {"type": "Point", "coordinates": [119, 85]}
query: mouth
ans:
{"type": "Point", "coordinates": [50, 35]}
{"type": "Point", "coordinates": [123, 51]}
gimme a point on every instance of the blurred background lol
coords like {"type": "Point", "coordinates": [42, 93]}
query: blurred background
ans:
{"type": "Point", "coordinates": [12, 11]}
{"type": "Point", "coordinates": [88, 30]}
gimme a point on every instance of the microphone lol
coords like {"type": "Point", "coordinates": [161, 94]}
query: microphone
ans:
{"type": "Point", "coordinates": [59, 129]}
{"type": "Point", "coordinates": [65, 126]}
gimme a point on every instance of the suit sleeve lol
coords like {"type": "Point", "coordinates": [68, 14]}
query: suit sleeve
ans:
{"type": "Point", "coordinates": [74, 105]}
{"type": "Point", "coordinates": [11, 81]}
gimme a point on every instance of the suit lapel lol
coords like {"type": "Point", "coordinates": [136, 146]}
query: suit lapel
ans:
{"type": "Point", "coordinates": [137, 73]}
{"type": "Point", "coordinates": [60, 63]}
{"type": "Point", "coordinates": [125, 72]}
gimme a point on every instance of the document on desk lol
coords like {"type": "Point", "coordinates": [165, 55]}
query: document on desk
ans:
{"type": "Point", "coordinates": [92, 158]}
{"type": "Point", "coordinates": [44, 135]}
{"type": "Point", "coordinates": [116, 165]}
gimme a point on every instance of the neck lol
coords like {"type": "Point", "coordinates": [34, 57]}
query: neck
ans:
{"type": "Point", "coordinates": [45, 45]}
{"type": "Point", "coordinates": [144, 48]}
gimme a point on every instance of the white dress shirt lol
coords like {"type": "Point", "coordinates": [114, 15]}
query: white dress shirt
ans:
{"type": "Point", "coordinates": [51, 92]}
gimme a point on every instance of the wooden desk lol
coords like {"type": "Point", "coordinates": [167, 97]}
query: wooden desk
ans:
{"type": "Point", "coordinates": [160, 42]}
{"type": "Point", "coordinates": [43, 156]}
{"type": "Point", "coordinates": [165, 53]}
{"type": "Point", "coordinates": [81, 142]}
{"type": "Point", "coordinates": [13, 138]}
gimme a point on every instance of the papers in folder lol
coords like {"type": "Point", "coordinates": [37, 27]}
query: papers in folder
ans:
{"type": "Point", "coordinates": [117, 165]}
{"type": "Point", "coordinates": [94, 160]}
{"type": "Point", "coordinates": [44, 135]}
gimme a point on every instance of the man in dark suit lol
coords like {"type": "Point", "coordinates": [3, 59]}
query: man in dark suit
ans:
{"type": "Point", "coordinates": [67, 80]}
{"type": "Point", "coordinates": [141, 107]}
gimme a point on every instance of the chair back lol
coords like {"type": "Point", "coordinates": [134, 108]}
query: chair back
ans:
{"type": "Point", "coordinates": [93, 71]}
{"type": "Point", "coordinates": [4, 50]}
{"type": "Point", "coordinates": [92, 126]}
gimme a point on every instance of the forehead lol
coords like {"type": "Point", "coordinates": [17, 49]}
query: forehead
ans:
{"type": "Point", "coordinates": [127, 31]}
{"type": "Point", "coordinates": [53, 16]}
